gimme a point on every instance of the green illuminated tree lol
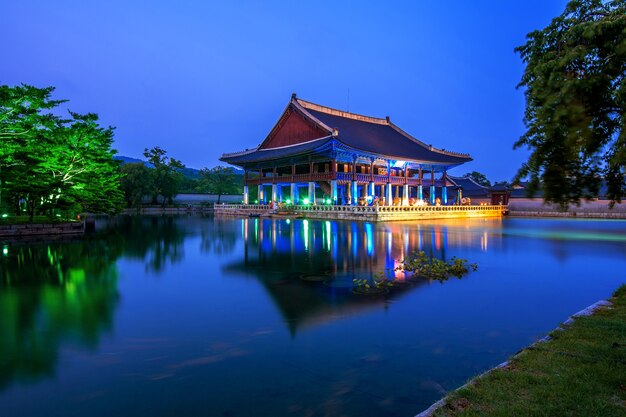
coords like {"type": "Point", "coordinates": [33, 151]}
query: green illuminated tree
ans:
{"type": "Point", "coordinates": [25, 121]}
{"type": "Point", "coordinates": [50, 164]}
{"type": "Point", "coordinates": [220, 180]}
{"type": "Point", "coordinates": [575, 82]}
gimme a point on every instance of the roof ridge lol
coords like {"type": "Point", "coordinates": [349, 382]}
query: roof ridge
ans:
{"type": "Point", "coordinates": [336, 112]}
{"type": "Point", "coordinates": [295, 144]}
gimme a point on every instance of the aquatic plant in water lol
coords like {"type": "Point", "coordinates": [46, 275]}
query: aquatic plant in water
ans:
{"type": "Point", "coordinates": [378, 284]}
{"type": "Point", "coordinates": [416, 265]}
{"type": "Point", "coordinates": [420, 264]}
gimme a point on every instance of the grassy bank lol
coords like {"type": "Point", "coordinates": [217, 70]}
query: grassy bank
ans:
{"type": "Point", "coordinates": [581, 371]}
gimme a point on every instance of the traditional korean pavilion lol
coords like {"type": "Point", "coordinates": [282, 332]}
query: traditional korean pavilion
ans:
{"type": "Point", "coordinates": [346, 157]}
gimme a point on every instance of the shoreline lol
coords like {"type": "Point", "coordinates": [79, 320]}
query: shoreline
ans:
{"type": "Point", "coordinates": [42, 229]}
{"type": "Point", "coordinates": [440, 407]}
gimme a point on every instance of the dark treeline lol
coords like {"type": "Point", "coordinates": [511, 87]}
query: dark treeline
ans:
{"type": "Point", "coordinates": [166, 177]}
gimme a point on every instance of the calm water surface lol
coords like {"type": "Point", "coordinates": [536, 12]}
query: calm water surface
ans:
{"type": "Point", "coordinates": [202, 316]}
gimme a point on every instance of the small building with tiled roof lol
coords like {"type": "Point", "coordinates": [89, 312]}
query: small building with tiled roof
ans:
{"type": "Point", "coordinates": [349, 157]}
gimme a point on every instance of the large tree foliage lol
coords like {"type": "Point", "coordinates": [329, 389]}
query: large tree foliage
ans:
{"type": "Point", "coordinates": [220, 180]}
{"type": "Point", "coordinates": [166, 174]}
{"type": "Point", "coordinates": [575, 102]}
{"type": "Point", "coordinates": [136, 183]}
{"type": "Point", "coordinates": [51, 164]}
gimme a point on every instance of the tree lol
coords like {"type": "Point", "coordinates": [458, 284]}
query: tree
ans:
{"type": "Point", "coordinates": [82, 164]}
{"type": "Point", "coordinates": [220, 180]}
{"type": "Point", "coordinates": [479, 178]}
{"type": "Point", "coordinates": [136, 183]}
{"type": "Point", "coordinates": [48, 163]}
{"type": "Point", "coordinates": [25, 120]}
{"type": "Point", "coordinates": [575, 80]}
{"type": "Point", "coordinates": [166, 175]}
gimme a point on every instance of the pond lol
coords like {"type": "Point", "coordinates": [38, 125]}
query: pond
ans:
{"type": "Point", "coordinates": [203, 316]}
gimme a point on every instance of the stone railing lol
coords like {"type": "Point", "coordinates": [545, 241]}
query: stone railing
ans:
{"type": "Point", "coordinates": [371, 213]}
{"type": "Point", "coordinates": [397, 209]}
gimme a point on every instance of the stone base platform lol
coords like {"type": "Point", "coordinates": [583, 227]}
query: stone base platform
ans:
{"type": "Point", "coordinates": [55, 229]}
{"type": "Point", "coordinates": [367, 213]}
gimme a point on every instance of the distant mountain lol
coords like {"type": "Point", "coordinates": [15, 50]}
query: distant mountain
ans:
{"type": "Point", "coordinates": [129, 160]}
{"type": "Point", "coordinates": [187, 172]}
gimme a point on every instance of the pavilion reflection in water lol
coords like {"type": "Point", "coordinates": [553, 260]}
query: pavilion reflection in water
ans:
{"type": "Point", "coordinates": [279, 252]}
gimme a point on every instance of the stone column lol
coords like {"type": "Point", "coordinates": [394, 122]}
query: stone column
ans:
{"type": "Point", "coordinates": [389, 194]}
{"type": "Point", "coordinates": [245, 194]}
{"type": "Point", "coordinates": [432, 186]}
{"type": "Point", "coordinates": [261, 194]}
{"type": "Point", "coordinates": [312, 192]}
{"type": "Point", "coordinates": [405, 195]}
{"type": "Point", "coordinates": [444, 195]}
{"type": "Point", "coordinates": [274, 192]}
{"type": "Point", "coordinates": [333, 191]}
{"type": "Point", "coordinates": [372, 190]}
{"type": "Point", "coordinates": [293, 190]}
{"type": "Point", "coordinates": [355, 193]}
{"type": "Point", "coordinates": [420, 192]}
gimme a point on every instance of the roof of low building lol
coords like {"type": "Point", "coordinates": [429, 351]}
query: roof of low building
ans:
{"type": "Point", "coordinates": [470, 187]}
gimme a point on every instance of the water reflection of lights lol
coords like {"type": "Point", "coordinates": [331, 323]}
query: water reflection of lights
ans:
{"type": "Point", "coordinates": [305, 225]}
{"type": "Point", "coordinates": [369, 236]}
{"type": "Point", "coordinates": [327, 240]}
{"type": "Point", "coordinates": [349, 247]}
{"type": "Point", "coordinates": [483, 242]}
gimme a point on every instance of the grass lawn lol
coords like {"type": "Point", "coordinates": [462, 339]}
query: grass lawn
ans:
{"type": "Point", "coordinates": [581, 371]}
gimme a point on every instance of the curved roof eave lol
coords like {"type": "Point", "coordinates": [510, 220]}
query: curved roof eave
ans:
{"type": "Point", "coordinates": [257, 155]}
{"type": "Point", "coordinates": [349, 148]}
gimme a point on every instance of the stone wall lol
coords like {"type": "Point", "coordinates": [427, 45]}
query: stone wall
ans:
{"type": "Point", "coordinates": [169, 210]}
{"type": "Point", "coordinates": [58, 229]}
{"type": "Point", "coordinates": [596, 209]}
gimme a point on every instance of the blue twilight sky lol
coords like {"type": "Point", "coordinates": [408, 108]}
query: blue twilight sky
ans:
{"type": "Point", "coordinates": [200, 78]}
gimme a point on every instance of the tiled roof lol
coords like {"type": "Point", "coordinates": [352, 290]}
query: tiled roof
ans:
{"type": "Point", "coordinates": [470, 187]}
{"type": "Point", "coordinates": [361, 133]}
{"type": "Point", "coordinates": [256, 155]}
{"type": "Point", "coordinates": [379, 136]}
